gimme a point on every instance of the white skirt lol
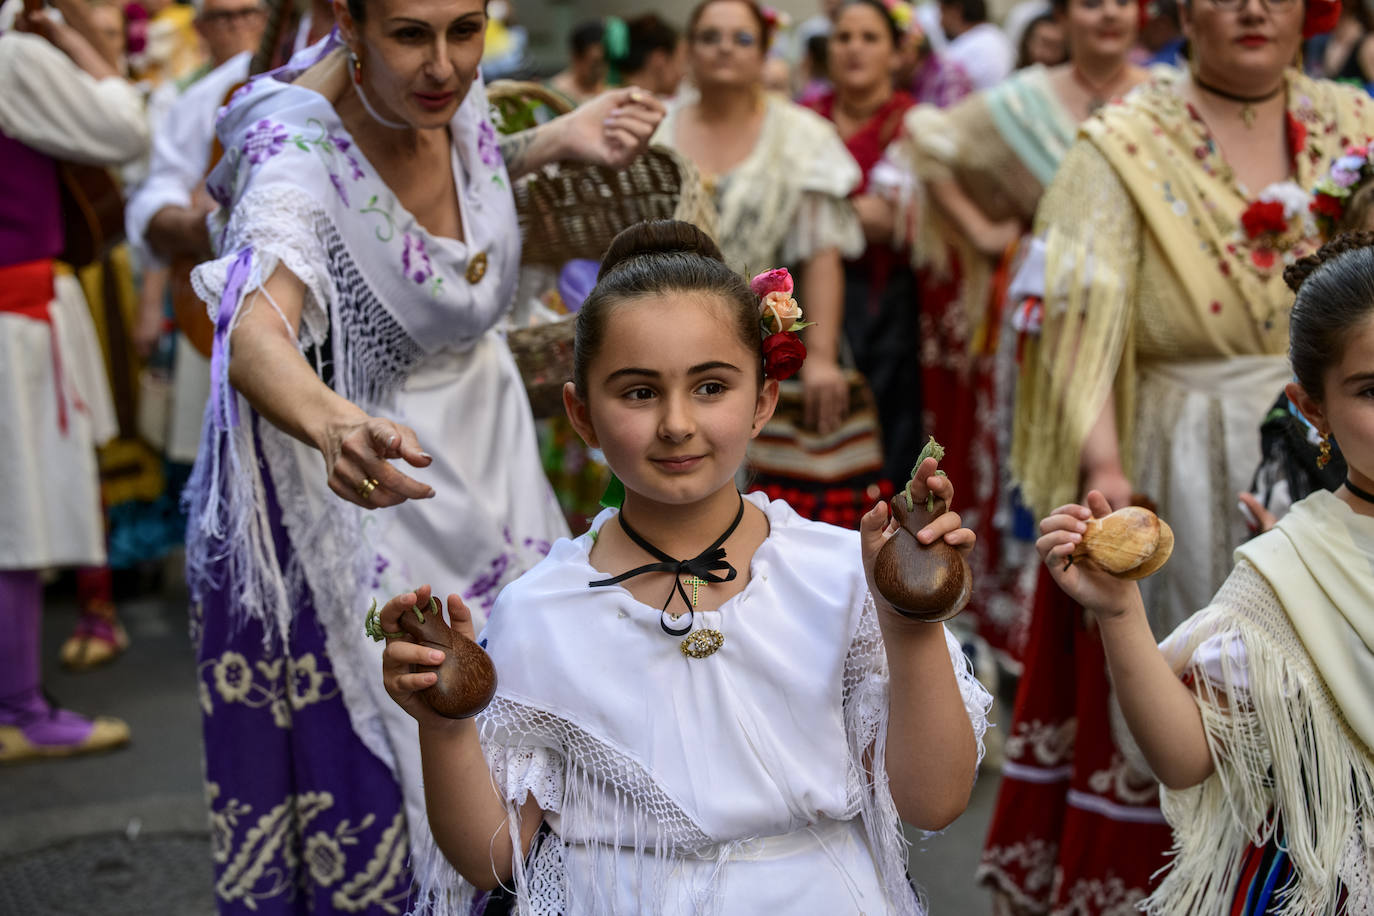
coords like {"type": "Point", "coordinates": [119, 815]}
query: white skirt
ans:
{"type": "Point", "coordinates": [1197, 446]}
{"type": "Point", "coordinates": [823, 869]}
{"type": "Point", "coordinates": [49, 479]}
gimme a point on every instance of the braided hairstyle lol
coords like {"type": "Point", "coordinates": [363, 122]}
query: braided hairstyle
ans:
{"type": "Point", "coordinates": [654, 258]}
{"type": "Point", "coordinates": [1335, 292]}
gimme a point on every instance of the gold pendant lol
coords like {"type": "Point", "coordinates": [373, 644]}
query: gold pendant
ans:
{"type": "Point", "coordinates": [477, 268]}
{"type": "Point", "coordinates": [1247, 114]}
{"type": "Point", "coordinates": [702, 643]}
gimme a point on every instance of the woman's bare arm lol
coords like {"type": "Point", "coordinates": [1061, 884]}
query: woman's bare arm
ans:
{"type": "Point", "coordinates": [268, 369]}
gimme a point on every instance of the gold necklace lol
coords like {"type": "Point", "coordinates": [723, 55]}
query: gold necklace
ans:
{"type": "Point", "coordinates": [1097, 94]}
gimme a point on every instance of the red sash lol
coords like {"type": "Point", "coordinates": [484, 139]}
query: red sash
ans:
{"type": "Point", "coordinates": [27, 289]}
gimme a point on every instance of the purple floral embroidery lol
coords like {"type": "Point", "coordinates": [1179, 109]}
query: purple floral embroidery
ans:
{"type": "Point", "coordinates": [341, 142]}
{"type": "Point", "coordinates": [357, 170]}
{"type": "Point", "coordinates": [264, 141]}
{"type": "Point", "coordinates": [377, 571]}
{"type": "Point", "coordinates": [218, 193]}
{"type": "Point", "coordinates": [418, 267]}
{"type": "Point", "coordinates": [339, 186]}
{"type": "Point", "coordinates": [487, 147]}
{"type": "Point", "coordinates": [487, 587]}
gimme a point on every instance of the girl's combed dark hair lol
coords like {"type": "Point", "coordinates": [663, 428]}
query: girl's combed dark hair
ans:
{"type": "Point", "coordinates": [1335, 292]}
{"type": "Point", "coordinates": [654, 258]}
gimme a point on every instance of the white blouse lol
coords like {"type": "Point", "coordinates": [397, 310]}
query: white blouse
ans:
{"type": "Point", "coordinates": [741, 776]}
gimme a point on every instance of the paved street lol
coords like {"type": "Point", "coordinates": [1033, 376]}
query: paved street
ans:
{"type": "Point", "coordinates": [125, 833]}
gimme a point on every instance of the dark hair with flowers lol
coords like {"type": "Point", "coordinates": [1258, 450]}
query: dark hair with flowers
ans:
{"type": "Point", "coordinates": [1335, 292]}
{"type": "Point", "coordinates": [651, 259]}
{"type": "Point", "coordinates": [1341, 198]}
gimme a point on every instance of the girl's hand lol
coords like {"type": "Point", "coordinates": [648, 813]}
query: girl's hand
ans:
{"type": "Point", "coordinates": [401, 652]}
{"type": "Point", "coordinates": [878, 524]}
{"type": "Point", "coordinates": [357, 455]}
{"type": "Point", "coordinates": [613, 128]}
{"type": "Point", "coordinates": [1061, 533]}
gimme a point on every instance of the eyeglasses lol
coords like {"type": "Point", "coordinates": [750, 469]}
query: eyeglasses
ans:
{"type": "Point", "coordinates": [712, 37]}
{"type": "Point", "coordinates": [230, 17]}
{"type": "Point", "coordinates": [1235, 6]}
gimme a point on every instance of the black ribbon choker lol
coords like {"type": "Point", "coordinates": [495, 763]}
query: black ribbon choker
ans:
{"type": "Point", "coordinates": [1362, 494]}
{"type": "Point", "coordinates": [705, 566]}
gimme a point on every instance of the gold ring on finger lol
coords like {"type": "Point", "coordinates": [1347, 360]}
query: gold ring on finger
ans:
{"type": "Point", "coordinates": [366, 487]}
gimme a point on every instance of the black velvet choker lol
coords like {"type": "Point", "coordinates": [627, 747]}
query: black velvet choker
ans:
{"type": "Point", "coordinates": [1362, 494]}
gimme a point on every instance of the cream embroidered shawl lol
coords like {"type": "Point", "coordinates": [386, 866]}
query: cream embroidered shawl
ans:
{"type": "Point", "coordinates": [789, 198]}
{"type": "Point", "coordinates": [1289, 719]}
{"type": "Point", "coordinates": [1146, 260]}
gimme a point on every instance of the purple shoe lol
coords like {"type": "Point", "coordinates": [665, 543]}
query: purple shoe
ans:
{"type": "Point", "coordinates": [32, 728]}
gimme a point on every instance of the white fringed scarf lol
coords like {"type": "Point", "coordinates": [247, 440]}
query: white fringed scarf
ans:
{"type": "Point", "coordinates": [1288, 720]}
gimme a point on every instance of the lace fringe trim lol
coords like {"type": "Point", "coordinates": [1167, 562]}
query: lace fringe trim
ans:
{"type": "Point", "coordinates": [1284, 760]}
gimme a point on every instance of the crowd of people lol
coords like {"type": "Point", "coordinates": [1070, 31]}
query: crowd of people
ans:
{"type": "Point", "coordinates": [260, 278]}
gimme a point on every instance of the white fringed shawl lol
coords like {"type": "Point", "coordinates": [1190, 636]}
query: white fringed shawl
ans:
{"type": "Point", "coordinates": [1287, 709]}
{"type": "Point", "coordinates": [638, 754]}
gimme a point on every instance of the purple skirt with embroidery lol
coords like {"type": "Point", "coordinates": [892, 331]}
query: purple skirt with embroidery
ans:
{"type": "Point", "coordinates": [303, 817]}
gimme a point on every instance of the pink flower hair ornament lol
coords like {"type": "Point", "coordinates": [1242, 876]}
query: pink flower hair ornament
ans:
{"type": "Point", "coordinates": [780, 317]}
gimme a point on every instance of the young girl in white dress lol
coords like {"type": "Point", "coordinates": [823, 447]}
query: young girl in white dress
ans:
{"type": "Point", "coordinates": [739, 732]}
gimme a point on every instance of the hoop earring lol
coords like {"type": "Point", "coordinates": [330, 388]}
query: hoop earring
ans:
{"type": "Point", "coordinates": [1324, 451]}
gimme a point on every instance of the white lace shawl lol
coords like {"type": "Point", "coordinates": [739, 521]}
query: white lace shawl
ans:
{"type": "Point", "coordinates": [382, 293]}
{"type": "Point", "coordinates": [790, 197]}
{"type": "Point", "coordinates": [613, 753]}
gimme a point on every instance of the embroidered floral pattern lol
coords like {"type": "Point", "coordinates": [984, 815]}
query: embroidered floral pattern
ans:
{"type": "Point", "coordinates": [414, 259]}
{"type": "Point", "coordinates": [262, 686]}
{"type": "Point", "coordinates": [487, 147]}
{"type": "Point", "coordinates": [249, 852]}
{"type": "Point", "coordinates": [265, 140]}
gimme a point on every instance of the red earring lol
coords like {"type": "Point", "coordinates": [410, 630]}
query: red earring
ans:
{"type": "Point", "coordinates": [357, 68]}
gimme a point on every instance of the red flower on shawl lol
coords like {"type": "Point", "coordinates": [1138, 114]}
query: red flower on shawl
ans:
{"type": "Point", "coordinates": [1263, 258]}
{"type": "Point", "coordinates": [1327, 205]}
{"type": "Point", "coordinates": [1297, 136]}
{"type": "Point", "coordinates": [1263, 216]}
{"type": "Point", "coordinates": [1322, 16]}
{"type": "Point", "coordinates": [783, 354]}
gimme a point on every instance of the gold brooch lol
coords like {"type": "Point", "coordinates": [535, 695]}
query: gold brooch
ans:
{"type": "Point", "coordinates": [477, 268]}
{"type": "Point", "coordinates": [702, 643]}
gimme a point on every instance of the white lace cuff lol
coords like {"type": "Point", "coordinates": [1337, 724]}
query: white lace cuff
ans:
{"type": "Point", "coordinates": [528, 769]}
{"type": "Point", "coordinates": [823, 221]}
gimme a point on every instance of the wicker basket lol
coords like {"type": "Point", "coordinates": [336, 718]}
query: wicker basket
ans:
{"type": "Point", "coordinates": [572, 210]}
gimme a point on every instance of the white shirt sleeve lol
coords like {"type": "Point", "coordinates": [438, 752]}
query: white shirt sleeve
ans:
{"type": "Point", "coordinates": [182, 139]}
{"type": "Point", "coordinates": [52, 105]}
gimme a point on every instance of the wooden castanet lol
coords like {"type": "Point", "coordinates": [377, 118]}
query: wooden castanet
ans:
{"type": "Point", "coordinates": [467, 677]}
{"type": "Point", "coordinates": [927, 582]}
{"type": "Point", "coordinates": [1131, 543]}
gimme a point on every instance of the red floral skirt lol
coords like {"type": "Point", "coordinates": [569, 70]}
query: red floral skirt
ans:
{"type": "Point", "coordinates": [1076, 830]}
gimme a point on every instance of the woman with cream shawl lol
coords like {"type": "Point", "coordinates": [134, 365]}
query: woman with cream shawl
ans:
{"type": "Point", "coordinates": [1255, 715]}
{"type": "Point", "coordinates": [1164, 318]}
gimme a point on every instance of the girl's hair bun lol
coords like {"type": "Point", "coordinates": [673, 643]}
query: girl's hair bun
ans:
{"type": "Point", "coordinates": [664, 236]}
{"type": "Point", "coordinates": [1298, 272]}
